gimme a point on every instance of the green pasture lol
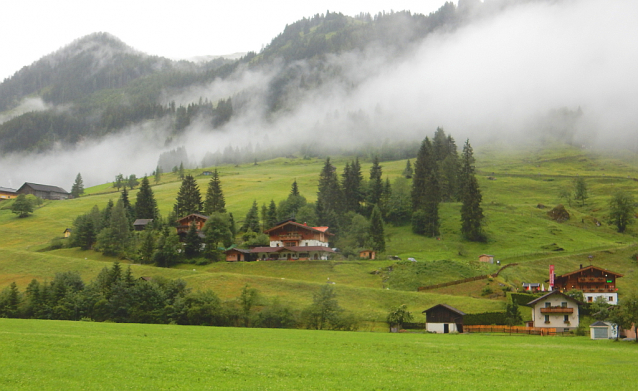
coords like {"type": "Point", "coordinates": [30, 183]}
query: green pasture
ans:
{"type": "Point", "coordinates": [519, 187]}
{"type": "Point", "coordinates": [55, 355]}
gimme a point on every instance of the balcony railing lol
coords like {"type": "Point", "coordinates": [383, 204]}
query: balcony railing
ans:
{"type": "Point", "coordinates": [290, 237]}
{"type": "Point", "coordinates": [592, 279]}
{"type": "Point", "coordinates": [557, 310]}
{"type": "Point", "coordinates": [599, 290]}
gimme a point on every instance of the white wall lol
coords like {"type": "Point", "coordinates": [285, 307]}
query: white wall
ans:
{"type": "Point", "coordinates": [439, 327]}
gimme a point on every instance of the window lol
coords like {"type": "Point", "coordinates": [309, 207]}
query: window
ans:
{"type": "Point", "coordinates": [563, 304]}
{"type": "Point", "coordinates": [590, 299]}
{"type": "Point", "coordinates": [611, 298]}
{"type": "Point", "coordinates": [566, 318]}
{"type": "Point", "coordinates": [546, 318]}
{"type": "Point", "coordinates": [548, 305]}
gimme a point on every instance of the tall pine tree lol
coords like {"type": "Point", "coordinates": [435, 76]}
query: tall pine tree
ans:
{"type": "Point", "coordinates": [351, 184]}
{"type": "Point", "coordinates": [375, 186]}
{"type": "Point", "coordinates": [78, 187]}
{"type": "Point", "coordinates": [329, 197]}
{"type": "Point", "coordinates": [215, 201]}
{"type": "Point", "coordinates": [145, 205]}
{"type": "Point", "coordinates": [376, 232]}
{"type": "Point", "coordinates": [471, 211]}
{"type": "Point", "coordinates": [189, 200]}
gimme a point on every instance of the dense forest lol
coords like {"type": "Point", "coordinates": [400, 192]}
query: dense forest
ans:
{"type": "Point", "coordinates": [98, 85]}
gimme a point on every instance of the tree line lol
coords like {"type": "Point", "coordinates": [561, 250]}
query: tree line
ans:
{"type": "Point", "coordinates": [116, 295]}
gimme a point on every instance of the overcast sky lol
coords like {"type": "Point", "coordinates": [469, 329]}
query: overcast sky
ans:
{"type": "Point", "coordinates": [31, 29]}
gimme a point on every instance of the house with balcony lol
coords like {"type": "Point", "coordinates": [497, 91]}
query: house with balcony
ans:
{"type": "Point", "coordinates": [555, 310]}
{"type": "Point", "coordinates": [184, 224]}
{"type": "Point", "coordinates": [593, 281]}
{"type": "Point", "coordinates": [290, 241]}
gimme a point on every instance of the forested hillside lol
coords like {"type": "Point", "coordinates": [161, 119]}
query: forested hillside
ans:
{"type": "Point", "coordinates": [98, 85]}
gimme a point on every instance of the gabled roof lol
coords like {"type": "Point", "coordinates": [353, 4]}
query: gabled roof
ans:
{"type": "Point", "coordinates": [47, 188]}
{"type": "Point", "coordinates": [292, 222]}
{"type": "Point", "coordinates": [533, 302]}
{"type": "Point", "coordinates": [446, 307]}
{"type": "Point", "coordinates": [193, 214]}
{"type": "Point", "coordinates": [600, 323]}
{"type": "Point", "coordinates": [7, 190]}
{"type": "Point", "coordinates": [142, 221]}
{"type": "Point", "coordinates": [591, 267]}
{"type": "Point", "coordinates": [239, 250]}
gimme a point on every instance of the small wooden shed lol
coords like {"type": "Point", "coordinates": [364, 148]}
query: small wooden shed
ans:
{"type": "Point", "coordinates": [67, 232]}
{"type": "Point", "coordinates": [368, 254]}
{"type": "Point", "coordinates": [443, 319]}
{"type": "Point", "coordinates": [486, 258]}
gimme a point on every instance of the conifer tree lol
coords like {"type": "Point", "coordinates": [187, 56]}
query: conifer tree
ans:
{"type": "Point", "coordinates": [329, 196]}
{"type": "Point", "coordinates": [375, 186]}
{"type": "Point", "coordinates": [231, 225]}
{"type": "Point", "coordinates": [189, 200]}
{"type": "Point", "coordinates": [215, 201]}
{"type": "Point", "coordinates": [146, 206]}
{"type": "Point", "coordinates": [376, 232]}
{"type": "Point", "coordinates": [351, 184]}
{"type": "Point", "coordinates": [192, 242]}
{"type": "Point", "coordinates": [251, 222]}
{"type": "Point", "coordinates": [181, 170]}
{"type": "Point", "coordinates": [422, 168]}
{"type": "Point", "coordinates": [294, 189]}
{"type": "Point", "coordinates": [78, 187]}
{"type": "Point", "coordinates": [471, 211]}
{"type": "Point", "coordinates": [158, 174]}
{"type": "Point", "coordinates": [128, 208]}
{"type": "Point", "coordinates": [407, 171]}
{"type": "Point", "coordinates": [271, 215]}
{"type": "Point", "coordinates": [115, 238]}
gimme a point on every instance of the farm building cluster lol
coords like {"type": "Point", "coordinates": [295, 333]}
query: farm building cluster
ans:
{"type": "Point", "coordinates": [46, 192]}
{"type": "Point", "coordinates": [554, 310]}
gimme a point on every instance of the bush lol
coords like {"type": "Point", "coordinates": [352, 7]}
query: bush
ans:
{"type": "Point", "coordinates": [487, 290]}
{"type": "Point", "coordinates": [485, 318]}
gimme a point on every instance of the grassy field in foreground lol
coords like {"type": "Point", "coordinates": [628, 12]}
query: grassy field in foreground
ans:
{"type": "Point", "coordinates": [39, 355]}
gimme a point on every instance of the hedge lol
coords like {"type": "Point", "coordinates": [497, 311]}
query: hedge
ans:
{"type": "Point", "coordinates": [485, 318]}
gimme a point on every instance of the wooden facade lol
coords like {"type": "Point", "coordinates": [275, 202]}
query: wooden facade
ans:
{"type": "Point", "coordinates": [46, 192]}
{"type": "Point", "coordinates": [368, 254]}
{"type": "Point", "coordinates": [593, 281]}
{"type": "Point", "coordinates": [443, 318]}
{"type": "Point", "coordinates": [292, 234]}
{"type": "Point", "coordinates": [140, 224]}
{"type": "Point", "coordinates": [486, 258]}
{"type": "Point", "coordinates": [239, 255]}
{"type": "Point", "coordinates": [184, 224]}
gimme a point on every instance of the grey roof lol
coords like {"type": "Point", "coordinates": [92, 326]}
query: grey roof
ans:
{"type": "Point", "coordinates": [446, 306]}
{"type": "Point", "coordinates": [7, 190]}
{"type": "Point", "coordinates": [48, 188]}
{"type": "Point", "coordinates": [600, 323]}
{"type": "Point", "coordinates": [142, 221]}
{"type": "Point", "coordinates": [533, 302]}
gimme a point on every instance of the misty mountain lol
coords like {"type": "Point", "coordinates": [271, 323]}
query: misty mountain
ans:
{"type": "Point", "coordinates": [98, 85]}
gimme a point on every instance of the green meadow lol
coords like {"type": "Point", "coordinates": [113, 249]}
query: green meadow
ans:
{"type": "Point", "coordinates": [56, 355]}
{"type": "Point", "coordinates": [519, 187]}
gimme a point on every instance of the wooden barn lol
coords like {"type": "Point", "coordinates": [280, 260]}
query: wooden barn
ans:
{"type": "Point", "coordinates": [368, 254]}
{"type": "Point", "coordinates": [443, 319]}
{"type": "Point", "coordinates": [486, 258]}
{"type": "Point", "coordinates": [45, 192]}
{"type": "Point", "coordinates": [239, 255]}
{"type": "Point", "coordinates": [140, 224]}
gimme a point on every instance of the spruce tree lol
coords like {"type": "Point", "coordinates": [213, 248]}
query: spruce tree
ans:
{"type": "Point", "coordinates": [294, 189]}
{"type": "Point", "coordinates": [78, 187]}
{"type": "Point", "coordinates": [407, 171]}
{"type": "Point", "coordinates": [251, 222]}
{"type": "Point", "coordinates": [376, 232]}
{"type": "Point", "coordinates": [189, 200]}
{"type": "Point", "coordinates": [215, 202]}
{"type": "Point", "coordinates": [192, 242]}
{"type": "Point", "coordinates": [329, 196]}
{"type": "Point", "coordinates": [351, 184]}
{"type": "Point", "coordinates": [271, 215]}
{"type": "Point", "coordinates": [471, 211]}
{"type": "Point", "coordinates": [158, 174]}
{"type": "Point", "coordinates": [128, 208]}
{"type": "Point", "coordinates": [145, 206]}
{"type": "Point", "coordinates": [375, 186]}
{"type": "Point", "coordinates": [116, 237]}
{"type": "Point", "coordinates": [422, 167]}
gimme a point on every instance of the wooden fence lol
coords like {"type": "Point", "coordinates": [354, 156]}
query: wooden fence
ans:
{"type": "Point", "coordinates": [470, 279]}
{"type": "Point", "coordinates": [510, 330]}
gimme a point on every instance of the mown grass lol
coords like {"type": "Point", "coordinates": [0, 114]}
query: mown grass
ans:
{"type": "Point", "coordinates": [95, 356]}
{"type": "Point", "coordinates": [518, 231]}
